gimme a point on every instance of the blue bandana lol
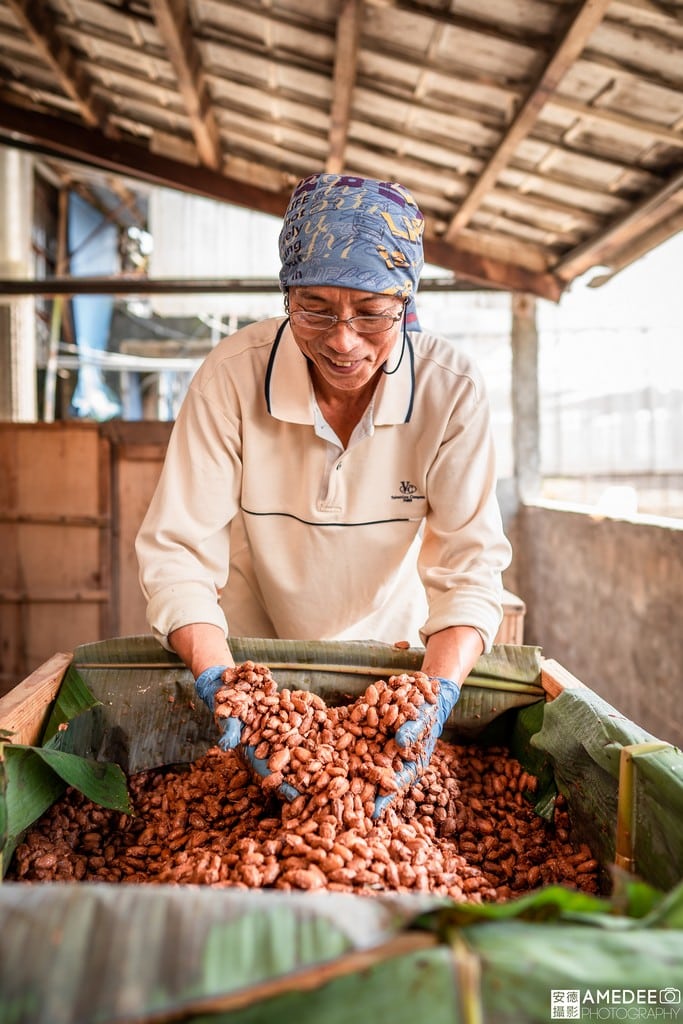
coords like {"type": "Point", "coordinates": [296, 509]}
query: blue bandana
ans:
{"type": "Point", "coordinates": [348, 232]}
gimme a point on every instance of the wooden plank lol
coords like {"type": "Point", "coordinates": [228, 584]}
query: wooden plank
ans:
{"type": "Point", "coordinates": [49, 628]}
{"type": "Point", "coordinates": [555, 679]}
{"type": "Point", "coordinates": [105, 570]}
{"type": "Point", "coordinates": [135, 471]}
{"type": "Point", "coordinates": [24, 710]}
{"type": "Point", "coordinates": [45, 519]}
{"type": "Point", "coordinates": [50, 559]}
{"type": "Point", "coordinates": [39, 24]}
{"type": "Point", "coordinates": [37, 596]}
{"type": "Point", "coordinates": [175, 28]}
{"type": "Point", "coordinates": [55, 537]}
{"type": "Point", "coordinates": [344, 81]}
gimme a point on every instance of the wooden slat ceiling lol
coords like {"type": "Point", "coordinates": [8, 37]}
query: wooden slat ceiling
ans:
{"type": "Point", "coordinates": [541, 138]}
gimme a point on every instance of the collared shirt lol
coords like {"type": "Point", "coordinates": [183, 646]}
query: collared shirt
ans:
{"type": "Point", "coordinates": [260, 512]}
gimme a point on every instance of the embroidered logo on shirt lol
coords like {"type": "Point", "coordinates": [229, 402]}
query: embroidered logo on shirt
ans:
{"type": "Point", "coordinates": [407, 492]}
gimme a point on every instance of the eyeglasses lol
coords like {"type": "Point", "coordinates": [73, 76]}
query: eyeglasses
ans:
{"type": "Point", "coordinates": [374, 324]}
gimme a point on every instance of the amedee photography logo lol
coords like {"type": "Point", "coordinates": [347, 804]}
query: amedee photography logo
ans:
{"type": "Point", "coordinates": [595, 1004]}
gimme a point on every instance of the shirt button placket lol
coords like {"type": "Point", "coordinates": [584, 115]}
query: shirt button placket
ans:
{"type": "Point", "coordinates": [328, 504]}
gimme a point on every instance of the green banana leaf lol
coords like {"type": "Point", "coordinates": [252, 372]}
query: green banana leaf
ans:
{"type": "Point", "coordinates": [33, 778]}
{"type": "Point", "coordinates": [128, 702]}
{"type": "Point", "coordinates": [73, 698]}
{"type": "Point", "coordinates": [632, 904]}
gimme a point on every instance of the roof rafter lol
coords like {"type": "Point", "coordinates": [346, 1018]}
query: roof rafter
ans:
{"type": "Point", "coordinates": [540, 139]}
{"type": "Point", "coordinates": [344, 80]}
{"type": "Point", "coordinates": [639, 247]}
{"type": "Point", "coordinates": [626, 228]}
{"type": "Point", "coordinates": [659, 132]}
{"type": "Point", "coordinates": [173, 24]}
{"type": "Point", "coordinates": [38, 22]}
{"type": "Point", "coordinates": [127, 197]}
{"type": "Point", "coordinates": [588, 16]}
{"type": "Point", "coordinates": [526, 36]}
{"type": "Point", "coordinates": [411, 103]}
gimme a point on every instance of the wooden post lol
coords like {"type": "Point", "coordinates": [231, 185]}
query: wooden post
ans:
{"type": "Point", "coordinates": [17, 315]}
{"type": "Point", "coordinates": [525, 400]}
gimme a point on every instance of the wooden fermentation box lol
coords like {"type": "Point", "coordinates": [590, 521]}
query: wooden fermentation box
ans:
{"type": "Point", "coordinates": [195, 953]}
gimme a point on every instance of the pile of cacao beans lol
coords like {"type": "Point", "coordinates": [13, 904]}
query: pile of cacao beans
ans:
{"type": "Point", "coordinates": [466, 829]}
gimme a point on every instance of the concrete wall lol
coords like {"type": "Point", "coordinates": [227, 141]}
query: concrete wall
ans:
{"type": "Point", "coordinates": [605, 598]}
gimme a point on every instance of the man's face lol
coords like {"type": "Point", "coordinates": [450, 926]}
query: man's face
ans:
{"type": "Point", "coordinates": [341, 358]}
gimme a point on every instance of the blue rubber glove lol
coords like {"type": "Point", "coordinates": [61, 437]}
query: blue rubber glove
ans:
{"type": "Point", "coordinates": [260, 766]}
{"type": "Point", "coordinates": [207, 684]}
{"type": "Point", "coordinates": [410, 732]}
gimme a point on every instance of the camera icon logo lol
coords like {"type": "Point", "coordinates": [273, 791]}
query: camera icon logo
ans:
{"type": "Point", "coordinates": [670, 996]}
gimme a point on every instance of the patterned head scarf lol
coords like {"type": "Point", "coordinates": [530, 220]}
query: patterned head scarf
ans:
{"type": "Point", "coordinates": [353, 232]}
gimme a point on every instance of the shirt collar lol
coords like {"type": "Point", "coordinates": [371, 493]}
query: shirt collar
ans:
{"type": "Point", "coordinates": [287, 383]}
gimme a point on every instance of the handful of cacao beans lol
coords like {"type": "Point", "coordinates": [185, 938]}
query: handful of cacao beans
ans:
{"type": "Point", "coordinates": [315, 748]}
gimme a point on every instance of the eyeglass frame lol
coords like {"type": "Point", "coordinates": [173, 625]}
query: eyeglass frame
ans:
{"type": "Point", "coordinates": [336, 320]}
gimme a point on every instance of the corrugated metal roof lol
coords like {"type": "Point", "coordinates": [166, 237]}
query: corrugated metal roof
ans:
{"type": "Point", "coordinates": [541, 138]}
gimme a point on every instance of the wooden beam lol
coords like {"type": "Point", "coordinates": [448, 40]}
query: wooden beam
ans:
{"type": "Point", "coordinates": [344, 80]}
{"type": "Point", "coordinates": [658, 132]}
{"type": "Point", "coordinates": [38, 22]}
{"type": "Point", "coordinates": [128, 199]}
{"type": "Point", "coordinates": [173, 23]}
{"type": "Point", "coordinates": [485, 270]}
{"type": "Point", "coordinates": [24, 710]}
{"type": "Point", "coordinates": [621, 230]}
{"type": "Point", "coordinates": [55, 136]}
{"type": "Point", "coordinates": [669, 227]}
{"type": "Point", "coordinates": [130, 284]}
{"type": "Point", "coordinates": [588, 16]}
{"type": "Point", "coordinates": [525, 35]}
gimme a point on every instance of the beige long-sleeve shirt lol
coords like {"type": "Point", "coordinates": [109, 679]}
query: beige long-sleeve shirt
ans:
{"type": "Point", "coordinates": [260, 513]}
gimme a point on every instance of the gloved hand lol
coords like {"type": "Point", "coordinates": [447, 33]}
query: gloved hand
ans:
{"type": "Point", "coordinates": [426, 728]}
{"type": "Point", "coordinates": [207, 684]}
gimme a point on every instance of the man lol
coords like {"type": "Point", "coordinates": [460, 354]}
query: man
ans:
{"type": "Point", "coordinates": [331, 474]}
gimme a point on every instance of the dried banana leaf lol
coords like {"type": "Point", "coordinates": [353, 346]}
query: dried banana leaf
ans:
{"type": "Point", "coordinates": [584, 736]}
{"type": "Point", "coordinates": [104, 953]}
{"type": "Point", "coordinates": [347, 658]}
{"type": "Point", "coordinates": [111, 954]}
